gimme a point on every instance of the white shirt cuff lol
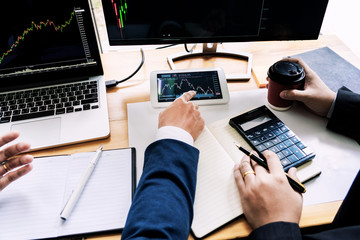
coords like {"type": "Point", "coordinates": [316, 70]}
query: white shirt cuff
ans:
{"type": "Point", "coordinates": [176, 133]}
{"type": "Point", "coordinates": [331, 110]}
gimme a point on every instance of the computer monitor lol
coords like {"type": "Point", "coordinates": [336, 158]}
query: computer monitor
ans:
{"type": "Point", "coordinates": [134, 22]}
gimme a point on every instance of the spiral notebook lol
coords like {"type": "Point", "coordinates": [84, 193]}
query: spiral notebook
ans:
{"type": "Point", "coordinates": [30, 207]}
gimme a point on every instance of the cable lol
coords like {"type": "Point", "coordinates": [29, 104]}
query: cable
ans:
{"type": "Point", "coordinates": [166, 46]}
{"type": "Point", "coordinates": [191, 50]}
{"type": "Point", "coordinates": [113, 83]}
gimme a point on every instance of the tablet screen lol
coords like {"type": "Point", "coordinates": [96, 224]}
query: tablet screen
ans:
{"type": "Point", "coordinates": [172, 85]}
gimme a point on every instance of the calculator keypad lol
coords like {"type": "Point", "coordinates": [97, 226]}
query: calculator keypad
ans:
{"type": "Point", "coordinates": [278, 138]}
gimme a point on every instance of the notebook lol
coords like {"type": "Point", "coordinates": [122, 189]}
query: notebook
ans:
{"type": "Point", "coordinates": [52, 88]}
{"type": "Point", "coordinates": [333, 69]}
{"type": "Point", "coordinates": [217, 200]}
{"type": "Point", "coordinates": [31, 206]}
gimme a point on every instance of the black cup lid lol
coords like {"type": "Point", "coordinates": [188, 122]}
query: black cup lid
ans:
{"type": "Point", "coordinates": [286, 72]}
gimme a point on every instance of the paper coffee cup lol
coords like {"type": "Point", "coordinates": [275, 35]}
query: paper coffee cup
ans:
{"type": "Point", "coordinates": [283, 75]}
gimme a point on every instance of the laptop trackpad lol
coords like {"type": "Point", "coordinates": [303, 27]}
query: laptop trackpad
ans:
{"type": "Point", "coordinates": [39, 133]}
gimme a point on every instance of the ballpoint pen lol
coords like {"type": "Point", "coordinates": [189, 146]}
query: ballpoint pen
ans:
{"type": "Point", "coordinates": [297, 186]}
{"type": "Point", "coordinates": [75, 195]}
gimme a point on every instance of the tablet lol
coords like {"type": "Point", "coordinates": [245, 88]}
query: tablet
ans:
{"type": "Point", "coordinates": [209, 83]}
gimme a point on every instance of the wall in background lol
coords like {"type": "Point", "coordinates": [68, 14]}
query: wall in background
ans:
{"type": "Point", "coordinates": [342, 18]}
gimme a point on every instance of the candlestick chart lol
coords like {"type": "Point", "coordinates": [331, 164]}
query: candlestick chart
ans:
{"type": "Point", "coordinates": [120, 11]}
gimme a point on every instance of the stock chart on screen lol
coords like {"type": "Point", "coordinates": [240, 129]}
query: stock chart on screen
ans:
{"type": "Point", "coordinates": [44, 39]}
{"type": "Point", "coordinates": [172, 85]}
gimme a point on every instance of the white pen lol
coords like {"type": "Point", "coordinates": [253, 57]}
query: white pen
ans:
{"type": "Point", "coordinates": [75, 195]}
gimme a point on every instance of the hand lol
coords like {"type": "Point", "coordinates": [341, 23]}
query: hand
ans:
{"type": "Point", "coordinates": [22, 164]}
{"type": "Point", "coordinates": [267, 196]}
{"type": "Point", "coordinates": [183, 114]}
{"type": "Point", "coordinates": [316, 95]}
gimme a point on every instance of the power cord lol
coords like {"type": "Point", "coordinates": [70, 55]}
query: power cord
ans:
{"type": "Point", "coordinates": [113, 83]}
{"type": "Point", "coordinates": [166, 46]}
{"type": "Point", "coordinates": [191, 50]}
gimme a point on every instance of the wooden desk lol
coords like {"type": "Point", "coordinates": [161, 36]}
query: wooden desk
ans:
{"type": "Point", "coordinates": [119, 65]}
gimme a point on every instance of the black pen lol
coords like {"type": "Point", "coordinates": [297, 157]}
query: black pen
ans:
{"type": "Point", "coordinates": [297, 186]}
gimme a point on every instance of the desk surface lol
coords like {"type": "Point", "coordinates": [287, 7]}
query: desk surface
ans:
{"type": "Point", "coordinates": [118, 65]}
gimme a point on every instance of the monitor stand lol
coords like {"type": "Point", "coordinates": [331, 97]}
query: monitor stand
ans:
{"type": "Point", "coordinates": [212, 50]}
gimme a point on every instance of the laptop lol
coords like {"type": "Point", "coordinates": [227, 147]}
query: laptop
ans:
{"type": "Point", "coordinates": [52, 88]}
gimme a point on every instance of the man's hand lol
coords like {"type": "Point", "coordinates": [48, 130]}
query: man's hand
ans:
{"type": "Point", "coordinates": [316, 95]}
{"type": "Point", "coordinates": [183, 114]}
{"type": "Point", "coordinates": [267, 196]}
{"type": "Point", "coordinates": [14, 168]}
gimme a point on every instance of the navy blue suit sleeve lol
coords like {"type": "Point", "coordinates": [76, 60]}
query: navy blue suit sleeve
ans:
{"type": "Point", "coordinates": [162, 207]}
{"type": "Point", "coordinates": [291, 231]}
{"type": "Point", "coordinates": [277, 231]}
{"type": "Point", "coordinates": [346, 116]}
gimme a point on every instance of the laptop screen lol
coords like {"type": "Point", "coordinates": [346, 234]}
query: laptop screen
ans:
{"type": "Point", "coordinates": [46, 41]}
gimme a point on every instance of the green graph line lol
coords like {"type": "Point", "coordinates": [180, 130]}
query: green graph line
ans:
{"type": "Point", "coordinates": [34, 27]}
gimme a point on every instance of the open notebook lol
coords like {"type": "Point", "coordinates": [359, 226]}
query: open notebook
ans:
{"type": "Point", "coordinates": [217, 199]}
{"type": "Point", "coordinates": [30, 207]}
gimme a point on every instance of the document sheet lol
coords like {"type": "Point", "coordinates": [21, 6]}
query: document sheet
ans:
{"type": "Point", "coordinates": [30, 207]}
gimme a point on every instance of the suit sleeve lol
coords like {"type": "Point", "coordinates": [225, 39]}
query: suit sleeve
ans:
{"type": "Point", "coordinates": [346, 115]}
{"type": "Point", "coordinates": [162, 207]}
{"type": "Point", "coordinates": [277, 231]}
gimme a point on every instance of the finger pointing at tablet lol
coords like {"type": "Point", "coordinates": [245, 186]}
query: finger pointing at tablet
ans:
{"type": "Point", "coordinates": [183, 114]}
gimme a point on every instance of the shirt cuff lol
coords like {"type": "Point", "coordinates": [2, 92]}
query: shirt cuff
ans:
{"type": "Point", "coordinates": [331, 110]}
{"type": "Point", "coordinates": [176, 133]}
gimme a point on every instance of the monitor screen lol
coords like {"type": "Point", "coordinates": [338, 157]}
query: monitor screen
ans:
{"type": "Point", "coordinates": [199, 21]}
{"type": "Point", "coordinates": [42, 43]}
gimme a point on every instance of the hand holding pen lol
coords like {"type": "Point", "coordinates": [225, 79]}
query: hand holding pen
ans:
{"type": "Point", "coordinates": [266, 195]}
{"type": "Point", "coordinates": [295, 184]}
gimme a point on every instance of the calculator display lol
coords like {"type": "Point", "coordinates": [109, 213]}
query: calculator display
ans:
{"type": "Point", "coordinates": [264, 131]}
{"type": "Point", "coordinates": [255, 122]}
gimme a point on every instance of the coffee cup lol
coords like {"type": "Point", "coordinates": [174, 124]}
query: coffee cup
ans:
{"type": "Point", "coordinates": [283, 75]}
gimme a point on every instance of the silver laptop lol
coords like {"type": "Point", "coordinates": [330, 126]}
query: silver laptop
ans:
{"type": "Point", "coordinates": [52, 88]}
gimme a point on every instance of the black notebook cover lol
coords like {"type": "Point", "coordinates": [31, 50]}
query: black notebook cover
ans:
{"type": "Point", "coordinates": [334, 70]}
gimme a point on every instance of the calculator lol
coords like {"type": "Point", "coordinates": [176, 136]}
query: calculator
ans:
{"type": "Point", "coordinates": [264, 131]}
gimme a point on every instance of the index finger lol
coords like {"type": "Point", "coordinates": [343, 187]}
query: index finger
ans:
{"type": "Point", "coordinates": [188, 95]}
{"type": "Point", "coordinates": [8, 138]}
{"type": "Point", "coordinates": [273, 162]}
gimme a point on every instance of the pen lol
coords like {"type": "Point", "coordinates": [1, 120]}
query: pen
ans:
{"type": "Point", "coordinates": [75, 195]}
{"type": "Point", "coordinates": [297, 186]}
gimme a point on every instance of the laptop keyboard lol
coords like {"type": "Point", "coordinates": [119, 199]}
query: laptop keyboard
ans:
{"type": "Point", "coordinates": [48, 101]}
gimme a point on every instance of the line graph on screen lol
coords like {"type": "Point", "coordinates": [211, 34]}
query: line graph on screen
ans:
{"type": "Point", "coordinates": [33, 27]}
{"type": "Point", "coordinates": [175, 88]}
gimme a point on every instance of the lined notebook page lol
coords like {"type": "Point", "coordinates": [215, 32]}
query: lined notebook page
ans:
{"type": "Point", "coordinates": [227, 136]}
{"type": "Point", "coordinates": [30, 207]}
{"type": "Point", "coordinates": [217, 199]}
{"type": "Point", "coordinates": [106, 198]}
